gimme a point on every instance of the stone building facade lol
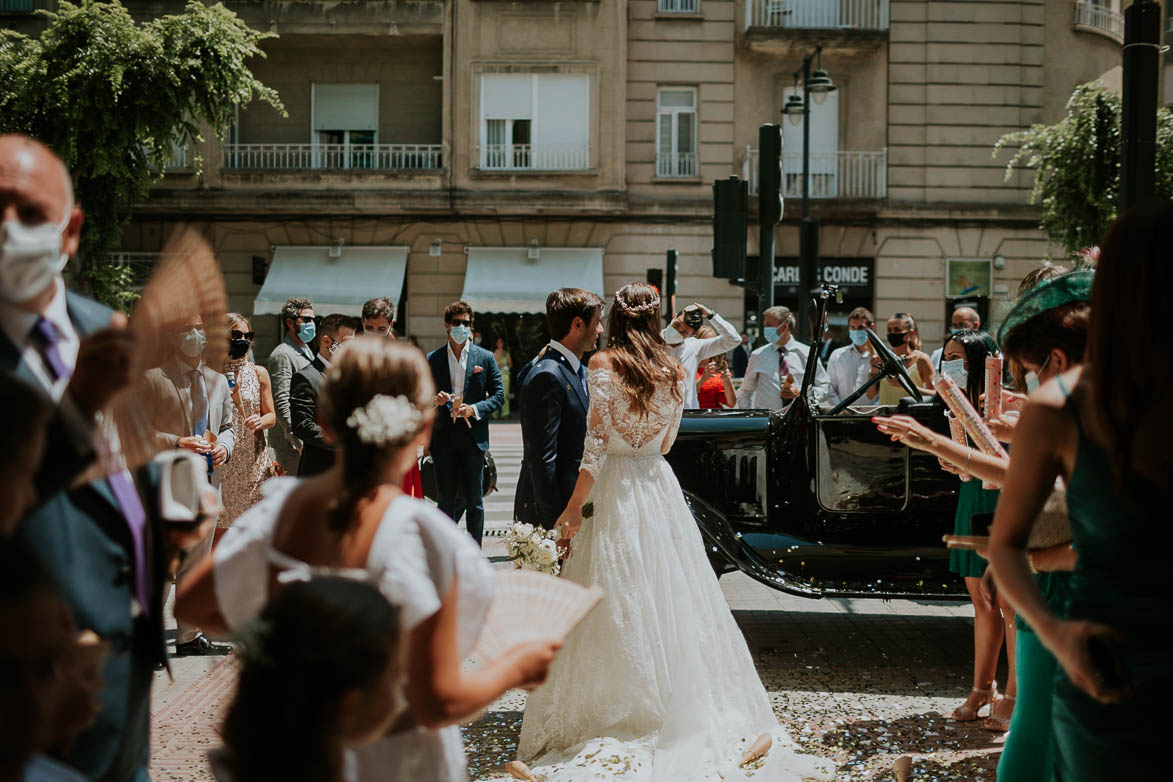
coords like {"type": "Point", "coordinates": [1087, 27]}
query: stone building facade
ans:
{"type": "Point", "coordinates": [478, 142]}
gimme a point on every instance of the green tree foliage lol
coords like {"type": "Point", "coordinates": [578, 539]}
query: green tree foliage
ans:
{"type": "Point", "coordinates": [110, 96]}
{"type": "Point", "coordinates": [1077, 165]}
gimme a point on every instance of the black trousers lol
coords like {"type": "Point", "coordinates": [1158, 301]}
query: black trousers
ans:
{"type": "Point", "coordinates": [459, 475]}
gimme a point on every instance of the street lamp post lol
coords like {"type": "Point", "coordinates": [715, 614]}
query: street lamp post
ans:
{"type": "Point", "coordinates": [819, 85]}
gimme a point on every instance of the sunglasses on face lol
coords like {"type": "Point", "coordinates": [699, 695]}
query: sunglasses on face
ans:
{"type": "Point", "coordinates": [461, 322]}
{"type": "Point", "coordinates": [235, 334]}
{"type": "Point", "coordinates": [305, 318]}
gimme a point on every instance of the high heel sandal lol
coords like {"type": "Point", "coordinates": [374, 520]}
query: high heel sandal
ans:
{"type": "Point", "coordinates": [996, 724]}
{"type": "Point", "coordinates": [967, 713]}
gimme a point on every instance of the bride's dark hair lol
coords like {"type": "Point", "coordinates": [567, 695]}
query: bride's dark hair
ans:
{"type": "Point", "coordinates": [634, 345]}
{"type": "Point", "coordinates": [367, 367]}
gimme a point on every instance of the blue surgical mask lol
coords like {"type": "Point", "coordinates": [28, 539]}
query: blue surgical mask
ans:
{"type": "Point", "coordinates": [1032, 378]}
{"type": "Point", "coordinates": [306, 332]}
{"type": "Point", "coordinates": [460, 334]}
{"type": "Point", "coordinates": [859, 337]}
{"type": "Point", "coordinates": [956, 370]}
{"type": "Point", "coordinates": [770, 334]}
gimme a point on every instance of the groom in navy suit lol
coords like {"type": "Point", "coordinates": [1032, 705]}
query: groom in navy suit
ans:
{"type": "Point", "coordinates": [554, 400]}
{"type": "Point", "coordinates": [468, 391]}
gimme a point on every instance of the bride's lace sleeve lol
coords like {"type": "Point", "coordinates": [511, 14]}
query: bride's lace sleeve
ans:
{"type": "Point", "coordinates": [673, 424]}
{"type": "Point", "coordinates": [594, 450]}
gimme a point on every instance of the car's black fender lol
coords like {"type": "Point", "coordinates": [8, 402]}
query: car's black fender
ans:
{"type": "Point", "coordinates": [722, 542]}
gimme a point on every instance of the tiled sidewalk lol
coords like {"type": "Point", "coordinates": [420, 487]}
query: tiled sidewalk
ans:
{"type": "Point", "coordinates": [862, 681]}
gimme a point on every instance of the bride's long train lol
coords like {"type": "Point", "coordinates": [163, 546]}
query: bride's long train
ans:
{"type": "Point", "coordinates": [657, 683]}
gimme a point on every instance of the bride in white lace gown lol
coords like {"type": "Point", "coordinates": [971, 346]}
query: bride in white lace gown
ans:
{"type": "Point", "coordinates": [657, 682]}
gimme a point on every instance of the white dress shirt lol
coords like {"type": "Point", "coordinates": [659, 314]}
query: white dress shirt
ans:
{"type": "Point", "coordinates": [18, 323]}
{"type": "Point", "coordinates": [692, 351]}
{"type": "Point", "coordinates": [457, 369]}
{"type": "Point", "coordinates": [762, 387]}
{"type": "Point", "coordinates": [935, 359]}
{"type": "Point", "coordinates": [844, 371]}
{"type": "Point", "coordinates": [575, 363]}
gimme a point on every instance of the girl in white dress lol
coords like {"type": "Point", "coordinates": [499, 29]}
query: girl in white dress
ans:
{"type": "Point", "coordinates": [657, 682]}
{"type": "Point", "coordinates": [376, 406]}
{"type": "Point", "coordinates": [298, 706]}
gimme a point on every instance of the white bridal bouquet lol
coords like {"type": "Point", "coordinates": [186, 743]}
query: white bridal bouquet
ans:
{"type": "Point", "coordinates": [533, 548]}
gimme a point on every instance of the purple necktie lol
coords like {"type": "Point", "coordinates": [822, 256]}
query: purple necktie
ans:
{"type": "Point", "coordinates": [48, 339]}
{"type": "Point", "coordinates": [136, 518]}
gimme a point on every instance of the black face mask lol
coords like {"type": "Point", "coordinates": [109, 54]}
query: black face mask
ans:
{"type": "Point", "coordinates": [896, 340]}
{"type": "Point", "coordinates": [238, 348]}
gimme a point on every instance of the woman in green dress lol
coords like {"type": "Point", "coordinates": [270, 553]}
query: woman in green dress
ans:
{"type": "Point", "coordinates": [1107, 427]}
{"type": "Point", "coordinates": [964, 360]}
{"type": "Point", "coordinates": [505, 364]}
{"type": "Point", "coordinates": [1040, 337]}
{"type": "Point", "coordinates": [1043, 336]}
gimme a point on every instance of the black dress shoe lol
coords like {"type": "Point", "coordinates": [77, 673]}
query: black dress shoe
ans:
{"type": "Point", "coordinates": [201, 646]}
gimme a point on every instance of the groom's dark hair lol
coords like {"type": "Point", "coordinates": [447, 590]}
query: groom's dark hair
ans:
{"type": "Point", "coordinates": [566, 304]}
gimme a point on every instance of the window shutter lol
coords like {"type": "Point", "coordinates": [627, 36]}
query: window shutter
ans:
{"type": "Point", "coordinates": [562, 109]}
{"type": "Point", "coordinates": [346, 107]}
{"type": "Point", "coordinates": [507, 96]}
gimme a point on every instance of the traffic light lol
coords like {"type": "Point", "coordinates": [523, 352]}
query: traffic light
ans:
{"type": "Point", "coordinates": [656, 279]}
{"type": "Point", "coordinates": [770, 174]}
{"type": "Point", "coordinates": [730, 205]}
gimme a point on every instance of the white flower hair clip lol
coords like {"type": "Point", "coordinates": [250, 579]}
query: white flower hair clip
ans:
{"type": "Point", "coordinates": [637, 309]}
{"type": "Point", "coordinates": [385, 420]}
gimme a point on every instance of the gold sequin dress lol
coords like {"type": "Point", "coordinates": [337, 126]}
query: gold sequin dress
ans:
{"type": "Point", "coordinates": [250, 465]}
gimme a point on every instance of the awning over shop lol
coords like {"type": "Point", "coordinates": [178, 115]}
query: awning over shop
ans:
{"type": "Point", "coordinates": [505, 279]}
{"type": "Point", "coordinates": [339, 284]}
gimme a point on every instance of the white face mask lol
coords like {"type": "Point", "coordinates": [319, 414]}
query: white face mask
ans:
{"type": "Point", "coordinates": [672, 336]}
{"type": "Point", "coordinates": [30, 258]}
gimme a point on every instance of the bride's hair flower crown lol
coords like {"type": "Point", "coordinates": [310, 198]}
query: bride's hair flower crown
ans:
{"type": "Point", "coordinates": [652, 305]}
{"type": "Point", "coordinates": [385, 420]}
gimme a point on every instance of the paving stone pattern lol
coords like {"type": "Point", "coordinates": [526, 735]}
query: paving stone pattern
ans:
{"type": "Point", "coordinates": [861, 681]}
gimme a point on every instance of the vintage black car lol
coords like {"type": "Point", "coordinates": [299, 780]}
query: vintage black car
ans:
{"type": "Point", "coordinates": [818, 502]}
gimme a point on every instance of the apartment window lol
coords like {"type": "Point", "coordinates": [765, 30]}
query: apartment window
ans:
{"type": "Point", "coordinates": [824, 155]}
{"type": "Point", "coordinates": [537, 121]}
{"type": "Point", "coordinates": [678, 6]}
{"type": "Point", "coordinates": [676, 132]}
{"type": "Point", "coordinates": [346, 125]}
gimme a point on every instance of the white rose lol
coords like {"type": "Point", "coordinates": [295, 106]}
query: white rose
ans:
{"type": "Point", "coordinates": [522, 530]}
{"type": "Point", "coordinates": [547, 553]}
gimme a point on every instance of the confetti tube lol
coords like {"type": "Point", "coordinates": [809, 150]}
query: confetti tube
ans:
{"type": "Point", "coordinates": [993, 387]}
{"type": "Point", "coordinates": [902, 768]}
{"type": "Point", "coordinates": [519, 770]}
{"type": "Point", "coordinates": [959, 404]}
{"type": "Point", "coordinates": [758, 749]}
{"type": "Point", "coordinates": [958, 433]}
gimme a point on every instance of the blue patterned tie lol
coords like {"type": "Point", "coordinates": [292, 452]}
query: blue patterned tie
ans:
{"type": "Point", "coordinates": [199, 409]}
{"type": "Point", "coordinates": [582, 378]}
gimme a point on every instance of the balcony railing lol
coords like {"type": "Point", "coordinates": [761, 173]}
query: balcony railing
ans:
{"type": "Point", "coordinates": [1099, 17]}
{"type": "Point", "coordinates": [676, 164]}
{"type": "Point", "coordinates": [334, 157]}
{"type": "Point", "coordinates": [835, 175]}
{"type": "Point", "coordinates": [534, 157]}
{"type": "Point", "coordinates": [678, 6]}
{"type": "Point", "coordinates": [817, 14]}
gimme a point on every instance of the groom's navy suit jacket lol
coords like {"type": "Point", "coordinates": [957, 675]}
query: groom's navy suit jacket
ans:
{"type": "Point", "coordinates": [553, 429]}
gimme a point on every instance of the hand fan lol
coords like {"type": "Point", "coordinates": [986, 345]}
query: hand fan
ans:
{"type": "Point", "coordinates": [186, 283]}
{"type": "Point", "coordinates": [532, 606]}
